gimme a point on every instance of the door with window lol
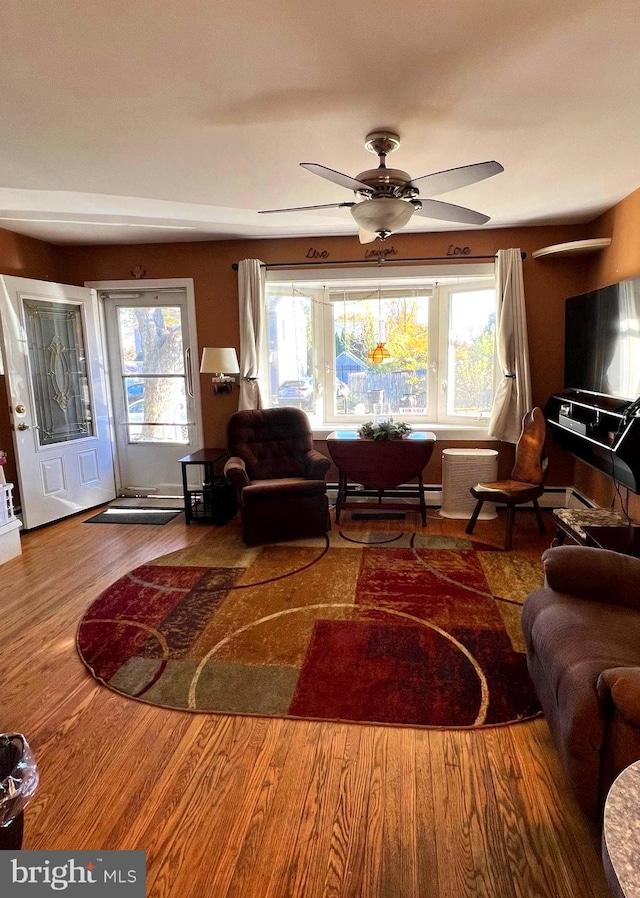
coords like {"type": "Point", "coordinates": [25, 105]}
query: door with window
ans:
{"type": "Point", "coordinates": [151, 349]}
{"type": "Point", "coordinates": [58, 398]}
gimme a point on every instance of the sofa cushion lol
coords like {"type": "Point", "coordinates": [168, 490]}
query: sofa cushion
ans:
{"type": "Point", "coordinates": [576, 640]}
{"type": "Point", "coordinates": [621, 685]}
{"type": "Point", "coordinates": [281, 489]}
{"type": "Point", "coordinates": [272, 442]}
{"type": "Point", "coordinates": [598, 575]}
{"type": "Point", "coordinates": [570, 643]}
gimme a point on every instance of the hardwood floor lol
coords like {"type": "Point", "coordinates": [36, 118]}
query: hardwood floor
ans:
{"type": "Point", "coordinates": [241, 806]}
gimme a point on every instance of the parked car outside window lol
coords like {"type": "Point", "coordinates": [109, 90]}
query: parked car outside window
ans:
{"type": "Point", "coordinates": [296, 392]}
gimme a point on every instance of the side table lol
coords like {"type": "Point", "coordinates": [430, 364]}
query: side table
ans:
{"type": "Point", "coordinates": [573, 522]}
{"type": "Point", "coordinates": [620, 851]}
{"type": "Point", "coordinates": [199, 501]}
{"type": "Point", "coordinates": [379, 465]}
{"type": "Point", "coordinates": [625, 540]}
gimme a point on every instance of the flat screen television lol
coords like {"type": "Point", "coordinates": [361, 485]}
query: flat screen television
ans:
{"type": "Point", "coordinates": [602, 341]}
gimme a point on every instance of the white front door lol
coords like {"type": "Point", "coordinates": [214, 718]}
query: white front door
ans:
{"type": "Point", "coordinates": [57, 395]}
{"type": "Point", "coordinates": [154, 386]}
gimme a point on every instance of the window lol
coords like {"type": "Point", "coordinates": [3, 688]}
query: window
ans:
{"type": "Point", "coordinates": [470, 320]}
{"type": "Point", "coordinates": [437, 336]}
{"type": "Point", "coordinates": [153, 375]}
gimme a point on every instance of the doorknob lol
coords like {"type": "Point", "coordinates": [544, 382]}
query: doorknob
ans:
{"type": "Point", "coordinates": [23, 426]}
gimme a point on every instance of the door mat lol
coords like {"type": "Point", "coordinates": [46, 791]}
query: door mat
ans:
{"type": "Point", "coordinates": [134, 516]}
{"type": "Point", "coordinates": [164, 502]}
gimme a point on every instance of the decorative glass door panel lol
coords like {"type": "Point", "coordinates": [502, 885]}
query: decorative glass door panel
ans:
{"type": "Point", "coordinates": [59, 374]}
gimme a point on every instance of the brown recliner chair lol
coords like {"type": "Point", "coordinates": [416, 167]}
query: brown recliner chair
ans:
{"type": "Point", "coordinates": [527, 477]}
{"type": "Point", "coordinates": [582, 632]}
{"type": "Point", "coordinates": [279, 475]}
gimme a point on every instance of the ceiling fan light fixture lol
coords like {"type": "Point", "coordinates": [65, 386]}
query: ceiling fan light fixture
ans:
{"type": "Point", "coordinates": [388, 197]}
{"type": "Point", "coordinates": [367, 236]}
{"type": "Point", "coordinates": [382, 215]}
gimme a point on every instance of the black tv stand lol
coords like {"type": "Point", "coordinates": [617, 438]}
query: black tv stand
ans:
{"type": "Point", "coordinates": [601, 430]}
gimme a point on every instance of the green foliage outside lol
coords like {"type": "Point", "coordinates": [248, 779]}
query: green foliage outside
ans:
{"type": "Point", "coordinates": [396, 323]}
{"type": "Point", "coordinates": [474, 370]}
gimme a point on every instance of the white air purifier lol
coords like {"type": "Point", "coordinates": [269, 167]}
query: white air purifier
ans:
{"type": "Point", "coordinates": [462, 469]}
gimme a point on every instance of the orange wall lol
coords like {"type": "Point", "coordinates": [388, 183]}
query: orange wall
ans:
{"type": "Point", "coordinates": [28, 258]}
{"type": "Point", "coordinates": [547, 283]}
{"type": "Point", "coordinates": [621, 260]}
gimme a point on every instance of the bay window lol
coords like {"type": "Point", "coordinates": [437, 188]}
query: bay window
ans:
{"type": "Point", "coordinates": [418, 348]}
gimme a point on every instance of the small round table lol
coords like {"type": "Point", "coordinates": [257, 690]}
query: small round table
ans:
{"type": "Point", "coordinates": [621, 834]}
{"type": "Point", "coordinates": [379, 465]}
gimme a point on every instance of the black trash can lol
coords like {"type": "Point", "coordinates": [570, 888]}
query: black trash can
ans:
{"type": "Point", "coordinates": [18, 783]}
{"type": "Point", "coordinates": [220, 500]}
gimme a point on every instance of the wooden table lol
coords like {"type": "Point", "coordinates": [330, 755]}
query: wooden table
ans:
{"type": "Point", "coordinates": [625, 540]}
{"type": "Point", "coordinates": [572, 522]}
{"type": "Point", "coordinates": [379, 465]}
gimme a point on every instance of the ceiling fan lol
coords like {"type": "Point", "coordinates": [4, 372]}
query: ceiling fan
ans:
{"type": "Point", "coordinates": [388, 197]}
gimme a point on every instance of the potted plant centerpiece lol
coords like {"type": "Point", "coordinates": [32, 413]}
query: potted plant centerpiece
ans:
{"type": "Point", "coordinates": [384, 430]}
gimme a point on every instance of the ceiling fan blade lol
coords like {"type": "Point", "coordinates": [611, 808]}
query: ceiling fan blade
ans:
{"type": "Point", "coordinates": [335, 176]}
{"type": "Point", "coordinates": [449, 212]}
{"type": "Point", "coordinates": [366, 236]}
{"type": "Point", "coordinates": [452, 178]}
{"type": "Point", "coordinates": [305, 208]}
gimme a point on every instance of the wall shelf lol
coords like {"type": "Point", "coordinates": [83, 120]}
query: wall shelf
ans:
{"type": "Point", "coordinates": [574, 248]}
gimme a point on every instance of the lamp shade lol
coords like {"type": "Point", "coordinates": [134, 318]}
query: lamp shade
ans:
{"type": "Point", "coordinates": [385, 214]}
{"type": "Point", "coordinates": [378, 355]}
{"type": "Point", "coordinates": [219, 361]}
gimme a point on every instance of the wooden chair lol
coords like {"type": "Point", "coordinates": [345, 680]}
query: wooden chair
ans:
{"type": "Point", "coordinates": [527, 477]}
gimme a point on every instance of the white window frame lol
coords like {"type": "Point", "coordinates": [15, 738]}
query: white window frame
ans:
{"type": "Point", "coordinates": [330, 373]}
{"type": "Point", "coordinates": [444, 312]}
{"type": "Point", "coordinates": [443, 280]}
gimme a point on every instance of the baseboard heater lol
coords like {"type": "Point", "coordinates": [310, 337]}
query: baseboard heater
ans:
{"type": "Point", "coordinates": [381, 515]}
{"type": "Point", "coordinates": [553, 497]}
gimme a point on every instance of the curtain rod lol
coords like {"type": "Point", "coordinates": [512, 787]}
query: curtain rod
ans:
{"type": "Point", "coordinates": [377, 261]}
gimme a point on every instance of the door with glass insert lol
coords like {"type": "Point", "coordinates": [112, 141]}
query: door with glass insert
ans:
{"type": "Point", "coordinates": [58, 399]}
{"type": "Point", "coordinates": [152, 387]}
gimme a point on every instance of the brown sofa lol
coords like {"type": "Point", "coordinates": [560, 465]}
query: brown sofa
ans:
{"type": "Point", "coordinates": [582, 632]}
{"type": "Point", "coordinates": [279, 475]}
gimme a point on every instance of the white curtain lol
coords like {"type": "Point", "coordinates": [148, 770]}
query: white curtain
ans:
{"type": "Point", "coordinates": [513, 395]}
{"type": "Point", "coordinates": [251, 300]}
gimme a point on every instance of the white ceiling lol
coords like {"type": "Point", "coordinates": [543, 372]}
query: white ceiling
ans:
{"type": "Point", "coordinates": [128, 122]}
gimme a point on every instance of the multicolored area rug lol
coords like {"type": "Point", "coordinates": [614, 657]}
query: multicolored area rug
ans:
{"type": "Point", "coordinates": [393, 628]}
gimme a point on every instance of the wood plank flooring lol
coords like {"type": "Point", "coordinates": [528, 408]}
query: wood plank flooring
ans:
{"type": "Point", "coordinates": [237, 807]}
